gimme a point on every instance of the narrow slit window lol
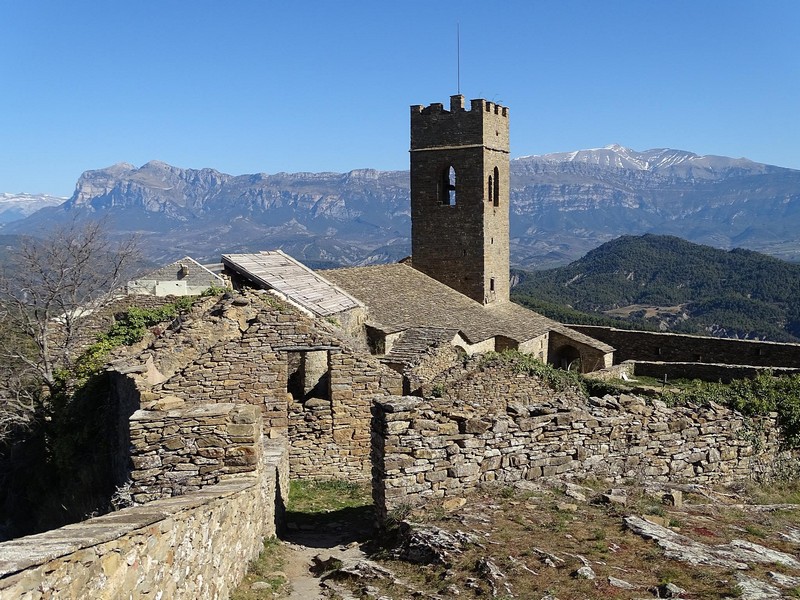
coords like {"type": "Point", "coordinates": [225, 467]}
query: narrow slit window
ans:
{"type": "Point", "coordinates": [490, 189]}
{"type": "Point", "coordinates": [447, 187]}
{"type": "Point", "coordinates": [491, 284]}
{"type": "Point", "coordinates": [496, 190]}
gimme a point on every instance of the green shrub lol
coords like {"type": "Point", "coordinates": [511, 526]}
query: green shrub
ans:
{"type": "Point", "coordinates": [128, 328]}
{"type": "Point", "coordinates": [755, 397]}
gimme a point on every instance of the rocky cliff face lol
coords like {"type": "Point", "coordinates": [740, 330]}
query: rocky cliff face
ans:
{"type": "Point", "coordinates": [562, 206]}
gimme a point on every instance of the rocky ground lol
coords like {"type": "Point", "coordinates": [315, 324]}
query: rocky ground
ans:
{"type": "Point", "coordinates": [557, 541]}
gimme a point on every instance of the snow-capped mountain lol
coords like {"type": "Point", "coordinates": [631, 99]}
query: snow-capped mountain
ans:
{"type": "Point", "coordinates": [658, 161]}
{"type": "Point", "coordinates": [18, 206]}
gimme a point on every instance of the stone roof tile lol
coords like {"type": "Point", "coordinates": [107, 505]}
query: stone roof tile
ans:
{"type": "Point", "coordinates": [414, 342]}
{"type": "Point", "coordinates": [399, 298]}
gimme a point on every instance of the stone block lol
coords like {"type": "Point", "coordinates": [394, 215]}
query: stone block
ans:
{"type": "Point", "coordinates": [491, 463]}
{"type": "Point", "coordinates": [206, 441]}
{"type": "Point", "coordinates": [463, 470]}
{"type": "Point", "coordinates": [476, 426]}
{"type": "Point", "coordinates": [141, 463]}
{"type": "Point", "coordinates": [436, 475]}
{"type": "Point", "coordinates": [395, 427]}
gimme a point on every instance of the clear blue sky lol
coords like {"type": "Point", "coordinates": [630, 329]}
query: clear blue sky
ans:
{"type": "Point", "coordinates": [251, 86]}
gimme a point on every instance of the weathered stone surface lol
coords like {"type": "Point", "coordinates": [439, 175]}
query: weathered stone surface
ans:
{"type": "Point", "coordinates": [546, 435]}
{"type": "Point", "coordinates": [620, 583]}
{"type": "Point", "coordinates": [739, 554]}
{"type": "Point", "coordinates": [425, 544]}
{"type": "Point", "coordinates": [194, 546]}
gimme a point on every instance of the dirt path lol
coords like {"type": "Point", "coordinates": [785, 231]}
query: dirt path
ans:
{"type": "Point", "coordinates": [312, 542]}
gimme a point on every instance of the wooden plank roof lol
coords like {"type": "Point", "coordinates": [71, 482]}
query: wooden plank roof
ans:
{"type": "Point", "coordinates": [278, 271]}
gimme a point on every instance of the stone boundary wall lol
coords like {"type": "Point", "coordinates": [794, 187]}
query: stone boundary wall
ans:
{"type": "Point", "coordinates": [704, 371]}
{"type": "Point", "coordinates": [654, 346]}
{"type": "Point", "coordinates": [184, 449]}
{"type": "Point", "coordinates": [424, 450]}
{"type": "Point", "coordinates": [187, 547]}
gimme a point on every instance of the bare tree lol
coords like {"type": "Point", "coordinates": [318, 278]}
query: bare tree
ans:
{"type": "Point", "coordinates": [54, 283]}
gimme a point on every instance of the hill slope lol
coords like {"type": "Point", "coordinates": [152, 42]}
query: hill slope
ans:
{"type": "Point", "coordinates": [677, 285]}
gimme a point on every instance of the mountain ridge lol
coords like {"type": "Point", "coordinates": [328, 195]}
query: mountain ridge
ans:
{"type": "Point", "coordinates": [562, 205]}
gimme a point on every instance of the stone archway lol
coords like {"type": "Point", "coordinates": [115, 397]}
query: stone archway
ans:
{"type": "Point", "coordinates": [567, 357]}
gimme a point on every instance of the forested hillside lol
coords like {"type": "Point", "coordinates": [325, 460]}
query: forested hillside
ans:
{"type": "Point", "coordinates": [669, 283]}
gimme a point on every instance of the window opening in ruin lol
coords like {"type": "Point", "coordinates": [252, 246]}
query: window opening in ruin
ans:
{"type": "Point", "coordinates": [490, 190]}
{"type": "Point", "coordinates": [308, 375]}
{"type": "Point", "coordinates": [491, 284]}
{"type": "Point", "coordinates": [447, 187]}
{"type": "Point", "coordinates": [496, 191]}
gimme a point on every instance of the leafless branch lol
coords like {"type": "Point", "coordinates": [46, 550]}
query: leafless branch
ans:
{"type": "Point", "coordinates": [54, 284]}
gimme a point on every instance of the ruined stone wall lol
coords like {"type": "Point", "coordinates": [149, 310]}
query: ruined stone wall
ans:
{"type": "Point", "coordinates": [427, 449]}
{"type": "Point", "coordinates": [248, 369]}
{"type": "Point", "coordinates": [437, 360]}
{"type": "Point", "coordinates": [480, 385]}
{"type": "Point", "coordinates": [330, 438]}
{"type": "Point", "coordinates": [182, 450]}
{"type": "Point", "coordinates": [672, 347]}
{"type": "Point", "coordinates": [246, 346]}
{"type": "Point", "coordinates": [193, 546]}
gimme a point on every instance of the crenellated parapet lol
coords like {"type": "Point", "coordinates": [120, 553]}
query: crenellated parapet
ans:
{"type": "Point", "coordinates": [485, 123]}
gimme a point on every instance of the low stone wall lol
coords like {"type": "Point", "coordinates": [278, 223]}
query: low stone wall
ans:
{"type": "Point", "coordinates": [425, 450]}
{"type": "Point", "coordinates": [704, 371]}
{"type": "Point", "coordinates": [183, 449]}
{"type": "Point", "coordinates": [187, 547]}
{"type": "Point", "coordinates": [672, 347]}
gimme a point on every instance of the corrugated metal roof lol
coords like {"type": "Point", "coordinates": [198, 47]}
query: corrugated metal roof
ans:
{"type": "Point", "coordinates": [278, 271]}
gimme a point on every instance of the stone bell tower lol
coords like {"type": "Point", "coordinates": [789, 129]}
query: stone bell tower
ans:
{"type": "Point", "coordinates": [460, 196]}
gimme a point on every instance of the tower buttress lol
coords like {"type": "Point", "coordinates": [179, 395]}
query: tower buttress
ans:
{"type": "Point", "coordinates": [460, 196]}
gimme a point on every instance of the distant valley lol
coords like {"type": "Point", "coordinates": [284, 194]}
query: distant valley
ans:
{"type": "Point", "coordinates": [562, 206]}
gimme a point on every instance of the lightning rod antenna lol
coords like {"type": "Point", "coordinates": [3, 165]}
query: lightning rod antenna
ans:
{"type": "Point", "coordinates": [458, 57]}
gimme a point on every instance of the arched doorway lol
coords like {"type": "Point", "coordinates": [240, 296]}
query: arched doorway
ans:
{"type": "Point", "coordinates": [568, 358]}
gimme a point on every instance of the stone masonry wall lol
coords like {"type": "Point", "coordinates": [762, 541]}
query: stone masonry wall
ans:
{"type": "Point", "coordinates": [184, 449]}
{"type": "Point", "coordinates": [435, 361]}
{"type": "Point", "coordinates": [704, 371]}
{"type": "Point", "coordinates": [330, 438]}
{"type": "Point", "coordinates": [248, 369]}
{"type": "Point", "coordinates": [423, 450]}
{"type": "Point", "coordinates": [253, 368]}
{"type": "Point", "coordinates": [672, 347]}
{"type": "Point", "coordinates": [188, 547]}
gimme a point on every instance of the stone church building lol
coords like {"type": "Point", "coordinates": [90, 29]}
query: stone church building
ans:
{"type": "Point", "coordinates": [453, 292]}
